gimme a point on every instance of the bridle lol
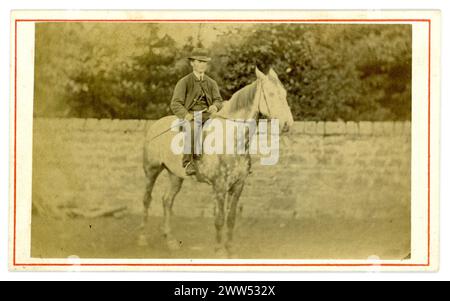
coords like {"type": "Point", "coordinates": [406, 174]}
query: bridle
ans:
{"type": "Point", "coordinates": [265, 100]}
{"type": "Point", "coordinates": [262, 92]}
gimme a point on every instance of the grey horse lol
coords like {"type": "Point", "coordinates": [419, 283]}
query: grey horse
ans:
{"type": "Point", "coordinates": [226, 173]}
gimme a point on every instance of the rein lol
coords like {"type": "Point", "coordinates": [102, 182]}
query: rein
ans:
{"type": "Point", "coordinates": [217, 115]}
{"type": "Point", "coordinates": [262, 92]}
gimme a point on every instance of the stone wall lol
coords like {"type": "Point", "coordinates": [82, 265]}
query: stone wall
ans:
{"type": "Point", "coordinates": [356, 170]}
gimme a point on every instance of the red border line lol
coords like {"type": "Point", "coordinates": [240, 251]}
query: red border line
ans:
{"type": "Point", "coordinates": [225, 264]}
{"type": "Point", "coordinates": [220, 20]}
{"type": "Point", "coordinates": [15, 140]}
{"type": "Point", "coordinates": [429, 133]}
{"type": "Point", "coordinates": [224, 20]}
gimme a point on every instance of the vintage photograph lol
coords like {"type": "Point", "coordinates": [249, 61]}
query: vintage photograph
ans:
{"type": "Point", "coordinates": [222, 140]}
{"type": "Point", "coordinates": [339, 189]}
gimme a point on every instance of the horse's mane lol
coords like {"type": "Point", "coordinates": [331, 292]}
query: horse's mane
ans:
{"type": "Point", "coordinates": [243, 98]}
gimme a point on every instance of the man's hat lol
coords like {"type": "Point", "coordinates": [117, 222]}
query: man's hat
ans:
{"type": "Point", "coordinates": [199, 54]}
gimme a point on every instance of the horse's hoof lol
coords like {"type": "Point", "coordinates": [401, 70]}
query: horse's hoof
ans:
{"type": "Point", "coordinates": [142, 241]}
{"type": "Point", "coordinates": [173, 244]}
{"type": "Point", "coordinates": [221, 253]}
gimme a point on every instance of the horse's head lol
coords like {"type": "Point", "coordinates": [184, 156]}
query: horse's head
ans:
{"type": "Point", "coordinates": [272, 101]}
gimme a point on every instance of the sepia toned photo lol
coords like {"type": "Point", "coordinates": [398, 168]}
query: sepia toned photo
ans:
{"type": "Point", "coordinates": [198, 144]}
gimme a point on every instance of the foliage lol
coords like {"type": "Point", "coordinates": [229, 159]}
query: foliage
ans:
{"type": "Point", "coordinates": [331, 72]}
{"type": "Point", "coordinates": [349, 72]}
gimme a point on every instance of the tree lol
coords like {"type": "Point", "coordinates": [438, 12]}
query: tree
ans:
{"type": "Point", "coordinates": [328, 69]}
{"type": "Point", "coordinates": [107, 84]}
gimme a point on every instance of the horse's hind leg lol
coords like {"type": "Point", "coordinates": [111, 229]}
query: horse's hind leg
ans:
{"type": "Point", "coordinates": [220, 221]}
{"type": "Point", "coordinates": [168, 199]}
{"type": "Point", "coordinates": [233, 198]}
{"type": "Point", "coordinates": [151, 173]}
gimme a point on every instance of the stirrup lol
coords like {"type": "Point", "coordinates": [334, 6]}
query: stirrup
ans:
{"type": "Point", "coordinates": [190, 169]}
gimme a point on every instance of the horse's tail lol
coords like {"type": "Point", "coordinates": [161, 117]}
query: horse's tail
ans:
{"type": "Point", "coordinates": [155, 140]}
{"type": "Point", "coordinates": [149, 154]}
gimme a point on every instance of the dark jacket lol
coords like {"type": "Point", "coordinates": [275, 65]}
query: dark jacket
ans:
{"type": "Point", "coordinates": [188, 89]}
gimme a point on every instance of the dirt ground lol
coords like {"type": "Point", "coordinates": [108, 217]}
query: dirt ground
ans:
{"type": "Point", "coordinates": [319, 238]}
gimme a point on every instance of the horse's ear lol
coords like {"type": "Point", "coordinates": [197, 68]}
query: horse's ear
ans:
{"type": "Point", "coordinates": [259, 74]}
{"type": "Point", "coordinates": [273, 74]}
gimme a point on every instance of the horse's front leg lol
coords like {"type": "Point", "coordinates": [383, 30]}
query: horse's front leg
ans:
{"type": "Point", "coordinates": [233, 199]}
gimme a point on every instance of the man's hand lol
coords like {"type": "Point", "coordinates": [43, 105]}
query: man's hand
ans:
{"type": "Point", "coordinates": [188, 117]}
{"type": "Point", "coordinates": [212, 109]}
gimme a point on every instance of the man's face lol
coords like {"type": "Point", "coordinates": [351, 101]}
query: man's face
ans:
{"type": "Point", "coordinates": [199, 66]}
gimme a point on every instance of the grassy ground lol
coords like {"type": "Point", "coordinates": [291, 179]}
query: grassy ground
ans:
{"type": "Point", "coordinates": [320, 238]}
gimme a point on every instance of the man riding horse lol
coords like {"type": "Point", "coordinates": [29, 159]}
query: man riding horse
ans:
{"type": "Point", "coordinates": [225, 172]}
{"type": "Point", "coordinates": [196, 92]}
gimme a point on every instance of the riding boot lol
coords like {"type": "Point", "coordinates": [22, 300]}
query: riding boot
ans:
{"type": "Point", "coordinates": [188, 158]}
